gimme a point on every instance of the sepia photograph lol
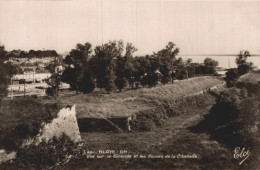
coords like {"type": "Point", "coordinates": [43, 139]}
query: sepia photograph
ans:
{"type": "Point", "coordinates": [130, 84]}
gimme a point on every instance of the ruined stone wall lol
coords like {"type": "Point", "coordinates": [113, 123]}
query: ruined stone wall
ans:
{"type": "Point", "coordinates": [65, 123]}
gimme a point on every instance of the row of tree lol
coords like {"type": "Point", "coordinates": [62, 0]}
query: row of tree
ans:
{"type": "Point", "coordinates": [112, 65]}
{"type": "Point", "coordinates": [31, 54]}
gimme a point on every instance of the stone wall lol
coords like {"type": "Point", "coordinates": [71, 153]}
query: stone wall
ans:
{"type": "Point", "coordinates": [65, 123]}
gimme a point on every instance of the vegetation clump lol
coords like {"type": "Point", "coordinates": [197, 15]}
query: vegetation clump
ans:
{"type": "Point", "coordinates": [234, 118]}
{"type": "Point", "coordinates": [47, 155]}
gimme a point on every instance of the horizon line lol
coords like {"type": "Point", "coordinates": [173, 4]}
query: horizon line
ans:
{"type": "Point", "coordinates": [254, 55]}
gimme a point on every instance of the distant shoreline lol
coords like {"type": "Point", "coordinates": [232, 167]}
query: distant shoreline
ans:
{"type": "Point", "coordinates": [221, 55]}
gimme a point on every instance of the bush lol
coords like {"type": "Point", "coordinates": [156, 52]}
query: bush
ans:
{"type": "Point", "coordinates": [234, 119]}
{"type": "Point", "coordinates": [50, 91]}
{"type": "Point", "coordinates": [47, 155]}
{"type": "Point", "coordinates": [252, 89]}
{"type": "Point", "coordinates": [243, 69]}
{"type": "Point", "coordinates": [222, 113]}
{"type": "Point", "coordinates": [148, 119]}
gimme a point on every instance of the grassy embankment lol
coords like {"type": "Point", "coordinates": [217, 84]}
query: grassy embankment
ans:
{"type": "Point", "coordinates": [252, 77]}
{"type": "Point", "coordinates": [132, 101]}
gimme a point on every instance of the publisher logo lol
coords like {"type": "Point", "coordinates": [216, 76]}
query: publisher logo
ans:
{"type": "Point", "coordinates": [241, 154]}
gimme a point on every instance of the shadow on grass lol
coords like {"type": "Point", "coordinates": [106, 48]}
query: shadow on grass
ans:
{"type": "Point", "coordinates": [220, 124]}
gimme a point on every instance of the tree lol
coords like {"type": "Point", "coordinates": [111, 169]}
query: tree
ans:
{"type": "Point", "coordinates": [152, 79]}
{"type": "Point", "coordinates": [192, 69]}
{"type": "Point", "coordinates": [7, 70]}
{"type": "Point", "coordinates": [231, 77]}
{"type": "Point", "coordinates": [166, 60]}
{"type": "Point", "coordinates": [129, 63]}
{"type": "Point", "coordinates": [87, 83]}
{"type": "Point", "coordinates": [69, 77]}
{"type": "Point", "coordinates": [3, 53]}
{"type": "Point", "coordinates": [4, 80]}
{"type": "Point", "coordinates": [243, 66]}
{"type": "Point", "coordinates": [189, 70]}
{"type": "Point", "coordinates": [152, 71]}
{"type": "Point", "coordinates": [181, 72]}
{"type": "Point", "coordinates": [141, 66]}
{"type": "Point", "coordinates": [52, 66]}
{"type": "Point", "coordinates": [54, 81]}
{"type": "Point", "coordinates": [124, 68]}
{"type": "Point", "coordinates": [109, 80]}
{"type": "Point", "coordinates": [210, 66]}
{"type": "Point", "coordinates": [120, 83]}
{"type": "Point", "coordinates": [78, 72]}
{"type": "Point", "coordinates": [104, 64]}
{"type": "Point", "coordinates": [165, 71]}
{"type": "Point", "coordinates": [180, 69]}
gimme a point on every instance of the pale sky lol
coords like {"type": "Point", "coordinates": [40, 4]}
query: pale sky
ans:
{"type": "Point", "coordinates": [195, 27]}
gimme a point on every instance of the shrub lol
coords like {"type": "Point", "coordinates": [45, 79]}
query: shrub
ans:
{"type": "Point", "coordinates": [47, 155]}
{"type": "Point", "coordinates": [234, 119]}
{"type": "Point", "coordinates": [243, 69]}
{"type": "Point", "coordinates": [50, 91]}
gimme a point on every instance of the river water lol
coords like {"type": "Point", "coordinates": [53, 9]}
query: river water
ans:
{"type": "Point", "coordinates": [224, 61]}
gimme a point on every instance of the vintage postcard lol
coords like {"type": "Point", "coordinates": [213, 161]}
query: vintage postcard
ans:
{"type": "Point", "coordinates": [131, 84]}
